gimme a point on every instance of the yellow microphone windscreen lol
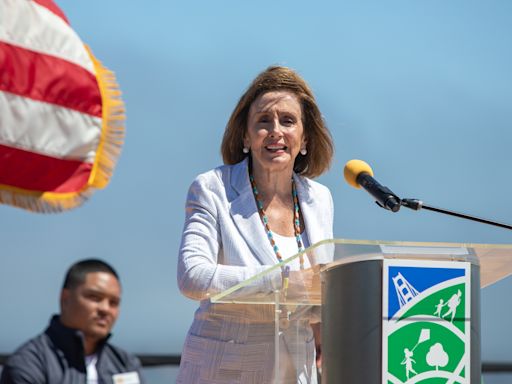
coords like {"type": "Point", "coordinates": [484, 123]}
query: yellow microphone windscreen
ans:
{"type": "Point", "coordinates": [353, 168]}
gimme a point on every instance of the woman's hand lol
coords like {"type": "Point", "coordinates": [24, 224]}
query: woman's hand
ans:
{"type": "Point", "coordinates": [317, 332]}
{"type": "Point", "coordinates": [304, 285]}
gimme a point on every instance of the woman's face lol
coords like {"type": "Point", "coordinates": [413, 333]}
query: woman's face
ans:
{"type": "Point", "coordinates": [275, 133]}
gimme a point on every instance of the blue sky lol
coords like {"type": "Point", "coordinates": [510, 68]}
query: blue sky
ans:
{"type": "Point", "coordinates": [419, 89]}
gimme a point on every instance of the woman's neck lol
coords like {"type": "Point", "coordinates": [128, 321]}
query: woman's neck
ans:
{"type": "Point", "coordinates": [273, 185]}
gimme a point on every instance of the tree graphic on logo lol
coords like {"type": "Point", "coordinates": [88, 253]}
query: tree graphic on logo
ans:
{"type": "Point", "coordinates": [437, 357]}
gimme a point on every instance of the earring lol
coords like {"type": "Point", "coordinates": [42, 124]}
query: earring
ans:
{"type": "Point", "coordinates": [245, 150]}
{"type": "Point", "coordinates": [303, 151]}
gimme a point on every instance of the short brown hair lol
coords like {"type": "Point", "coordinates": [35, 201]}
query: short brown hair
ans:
{"type": "Point", "coordinates": [319, 141]}
{"type": "Point", "coordinates": [77, 273]}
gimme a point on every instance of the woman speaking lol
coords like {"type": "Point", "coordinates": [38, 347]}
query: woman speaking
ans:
{"type": "Point", "coordinates": [247, 215]}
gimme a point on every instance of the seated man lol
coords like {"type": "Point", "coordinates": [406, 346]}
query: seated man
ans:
{"type": "Point", "coordinates": [74, 347]}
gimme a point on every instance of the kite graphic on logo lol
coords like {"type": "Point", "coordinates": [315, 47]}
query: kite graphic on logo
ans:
{"type": "Point", "coordinates": [426, 322]}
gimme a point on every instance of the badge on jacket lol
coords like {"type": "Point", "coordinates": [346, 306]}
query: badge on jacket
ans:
{"type": "Point", "coordinates": [126, 378]}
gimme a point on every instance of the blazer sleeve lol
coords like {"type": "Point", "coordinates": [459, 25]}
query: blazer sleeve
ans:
{"type": "Point", "coordinates": [199, 272]}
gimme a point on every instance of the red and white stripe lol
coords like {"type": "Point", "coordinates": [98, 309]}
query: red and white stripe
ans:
{"type": "Point", "coordinates": [28, 24]}
{"type": "Point", "coordinates": [50, 102]}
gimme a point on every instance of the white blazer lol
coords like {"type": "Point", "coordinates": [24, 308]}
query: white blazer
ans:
{"type": "Point", "coordinates": [224, 243]}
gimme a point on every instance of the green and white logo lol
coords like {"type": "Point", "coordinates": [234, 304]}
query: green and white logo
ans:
{"type": "Point", "coordinates": [426, 322]}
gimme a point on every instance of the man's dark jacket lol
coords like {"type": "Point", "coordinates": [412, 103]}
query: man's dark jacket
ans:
{"type": "Point", "coordinates": [57, 356]}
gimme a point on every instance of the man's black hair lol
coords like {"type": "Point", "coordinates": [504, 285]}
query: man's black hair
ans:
{"type": "Point", "coordinates": [77, 272]}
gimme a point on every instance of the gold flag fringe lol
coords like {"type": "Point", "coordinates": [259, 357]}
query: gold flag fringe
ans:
{"type": "Point", "coordinates": [113, 128]}
{"type": "Point", "coordinates": [107, 153]}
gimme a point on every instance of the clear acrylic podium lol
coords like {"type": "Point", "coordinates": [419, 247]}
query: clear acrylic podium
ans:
{"type": "Point", "coordinates": [391, 312]}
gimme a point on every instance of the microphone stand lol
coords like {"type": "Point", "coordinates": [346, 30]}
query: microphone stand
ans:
{"type": "Point", "coordinates": [416, 205]}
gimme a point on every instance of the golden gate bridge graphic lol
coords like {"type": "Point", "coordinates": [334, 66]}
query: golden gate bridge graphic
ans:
{"type": "Point", "coordinates": [404, 290]}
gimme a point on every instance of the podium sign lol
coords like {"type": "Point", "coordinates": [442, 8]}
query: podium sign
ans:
{"type": "Point", "coordinates": [426, 321]}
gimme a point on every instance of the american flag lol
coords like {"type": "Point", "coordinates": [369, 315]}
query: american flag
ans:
{"type": "Point", "coordinates": [61, 113]}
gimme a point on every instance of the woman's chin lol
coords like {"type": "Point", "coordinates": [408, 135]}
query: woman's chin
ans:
{"type": "Point", "coordinates": [278, 164]}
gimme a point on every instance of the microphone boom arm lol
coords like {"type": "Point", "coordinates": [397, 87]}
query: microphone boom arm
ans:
{"type": "Point", "coordinates": [416, 205]}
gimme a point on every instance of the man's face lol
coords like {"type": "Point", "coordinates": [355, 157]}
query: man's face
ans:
{"type": "Point", "coordinates": [93, 306]}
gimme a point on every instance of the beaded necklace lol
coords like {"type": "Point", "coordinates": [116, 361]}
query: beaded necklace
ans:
{"type": "Point", "coordinates": [296, 223]}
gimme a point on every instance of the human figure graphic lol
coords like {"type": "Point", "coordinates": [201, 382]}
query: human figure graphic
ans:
{"type": "Point", "coordinates": [439, 307]}
{"type": "Point", "coordinates": [453, 303]}
{"type": "Point", "coordinates": [407, 361]}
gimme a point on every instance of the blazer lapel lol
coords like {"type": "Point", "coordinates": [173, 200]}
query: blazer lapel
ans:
{"type": "Point", "coordinates": [310, 211]}
{"type": "Point", "coordinates": [246, 217]}
{"type": "Point", "coordinates": [310, 204]}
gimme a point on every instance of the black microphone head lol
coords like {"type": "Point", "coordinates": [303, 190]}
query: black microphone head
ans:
{"type": "Point", "coordinates": [353, 169]}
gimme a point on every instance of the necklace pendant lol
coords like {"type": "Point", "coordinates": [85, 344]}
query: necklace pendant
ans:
{"type": "Point", "coordinates": [284, 320]}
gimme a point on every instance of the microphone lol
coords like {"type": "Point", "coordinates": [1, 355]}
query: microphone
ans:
{"type": "Point", "coordinates": [359, 174]}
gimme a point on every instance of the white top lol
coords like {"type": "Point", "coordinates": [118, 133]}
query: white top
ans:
{"type": "Point", "coordinates": [288, 247]}
{"type": "Point", "coordinates": [90, 365]}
